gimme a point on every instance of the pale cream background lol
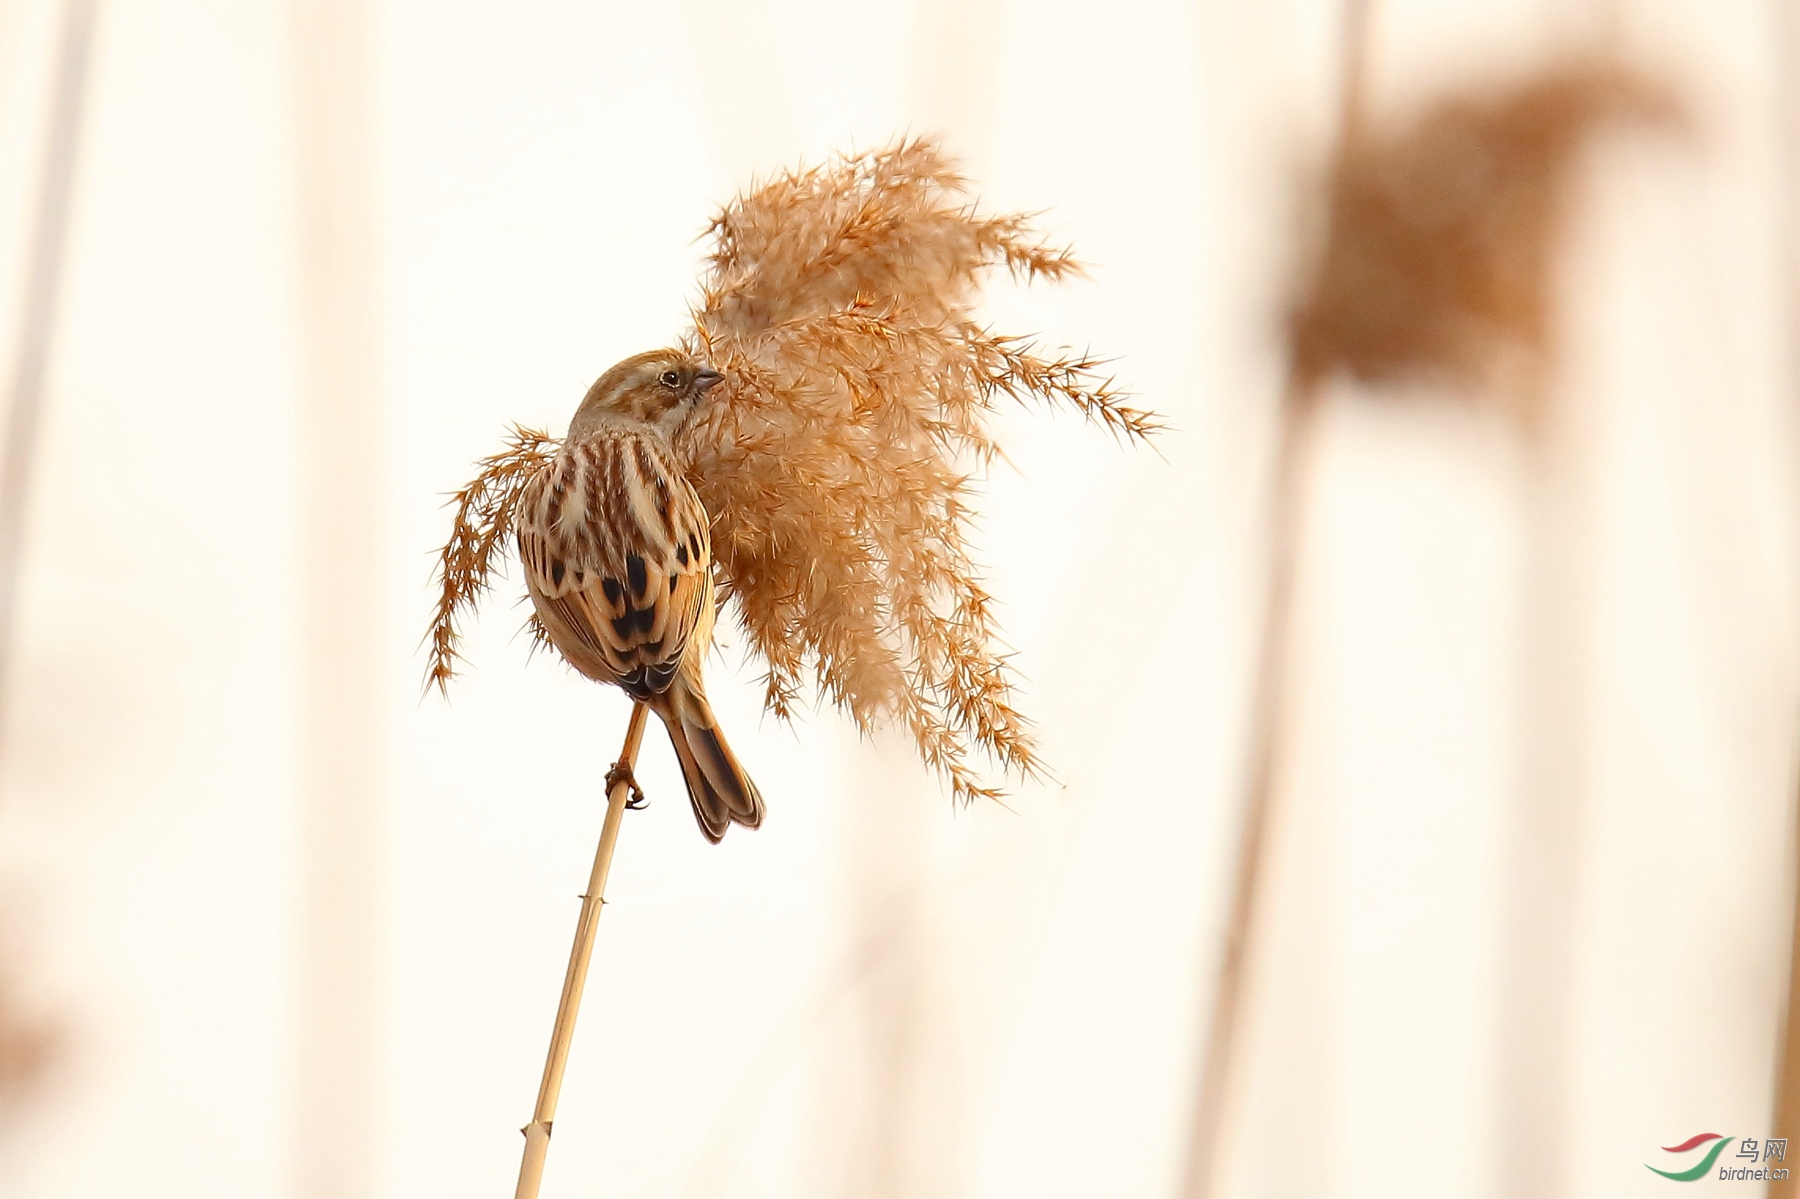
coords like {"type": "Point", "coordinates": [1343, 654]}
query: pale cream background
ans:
{"type": "Point", "coordinates": [876, 995]}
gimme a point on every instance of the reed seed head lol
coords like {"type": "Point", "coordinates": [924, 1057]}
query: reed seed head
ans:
{"type": "Point", "coordinates": [1440, 232]}
{"type": "Point", "coordinates": [836, 457]}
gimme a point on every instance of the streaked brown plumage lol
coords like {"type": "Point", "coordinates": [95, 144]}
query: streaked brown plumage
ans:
{"type": "Point", "coordinates": [618, 562]}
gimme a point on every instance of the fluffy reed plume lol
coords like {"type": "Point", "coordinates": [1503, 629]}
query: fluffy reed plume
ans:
{"type": "Point", "coordinates": [837, 461]}
{"type": "Point", "coordinates": [484, 520]}
{"type": "Point", "coordinates": [837, 458]}
{"type": "Point", "coordinates": [1441, 233]}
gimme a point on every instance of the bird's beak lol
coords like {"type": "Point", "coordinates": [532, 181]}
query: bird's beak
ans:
{"type": "Point", "coordinates": [706, 378]}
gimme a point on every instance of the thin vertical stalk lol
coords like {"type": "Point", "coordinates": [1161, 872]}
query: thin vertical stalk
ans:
{"type": "Point", "coordinates": [1293, 453]}
{"type": "Point", "coordinates": [537, 1133]}
{"type": "Point", "coordinates": [1543, 844]}
{"type": "Point", "coordinates": [37, 324]}
{"type": "Point", "coordinates": [1542, 841]}
{"type": "Point", "coordinates": [1786, 47]}
{"type": "Point", "coordinates": [1787, 1062]}
{"type": "Point", "coordinates": [342, 561]}
{"type": "Point", "coordinates": [890, 1111]}
{"type": "Point", "coordinates": [1297, 424]}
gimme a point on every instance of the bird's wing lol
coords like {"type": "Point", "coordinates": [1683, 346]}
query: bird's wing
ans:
{"type": "Point", "coordinates": [617, 558]}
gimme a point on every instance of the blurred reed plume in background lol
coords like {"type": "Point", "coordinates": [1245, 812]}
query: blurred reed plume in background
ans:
{"type": "Point", "coordinates": [837, 460]}
{"type": "Point", "coordinates": [1440, 232]}
{"type": "Point", "coordinates": [29, 1047]}
{"type": "Point", "coordinates": [1432, 262]}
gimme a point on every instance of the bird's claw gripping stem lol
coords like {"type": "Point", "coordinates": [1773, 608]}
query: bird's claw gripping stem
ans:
{"type": "Point", "coordinates": [621, 773]}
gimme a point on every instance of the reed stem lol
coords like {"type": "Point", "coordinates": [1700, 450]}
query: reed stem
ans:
{"type": "Point", "coordinates": [1787, 1065]}
{"type": "Point", "coordinates": [1298, 421]}
{"type": "Point", "coordinates": [537, 1133]}
{"type": "Point", "coordinates": [1268, 710]}
{"type": "Point", "coordinates": [1787, 1062]}
{"type": "Point", "coordinates": [39, 309]}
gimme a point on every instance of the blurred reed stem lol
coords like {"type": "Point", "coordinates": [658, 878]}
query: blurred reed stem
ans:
{"type": "Point", "coordinates": [1787, 1064]}
{"type": "Point", "coordinates": [341, 458]}
{"type": "Point", "coordinates": [37, 322]}
{"type": "Point", "coordinates": [537, 1133]}
{"type": "Point", "coordinates": [1295, 434]}
{"type": "Point", "coordinates": [1786, 49]}
{"type": "Point", "coordinates": [1543, 840]}
{"type": "Point", "coordinates": [1292, 459]}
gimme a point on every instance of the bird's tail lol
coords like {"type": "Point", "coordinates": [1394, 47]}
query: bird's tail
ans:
{"type": "Point", "coordinates": [717, 786]}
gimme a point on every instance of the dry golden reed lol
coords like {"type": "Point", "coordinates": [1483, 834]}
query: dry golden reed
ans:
{"type": "Point", "coordinates": [1441, 233]}
{"type": "Point", "coordinates": [483, 528]}
{"type": "Point", "coordinates": [838, 457]}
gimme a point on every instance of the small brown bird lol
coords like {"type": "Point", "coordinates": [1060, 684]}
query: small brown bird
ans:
{"type": "Point", "coordinates": [618, 561]}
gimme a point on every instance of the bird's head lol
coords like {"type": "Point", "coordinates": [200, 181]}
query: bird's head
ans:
{"type": "Point", "coordinates": [658, 388]}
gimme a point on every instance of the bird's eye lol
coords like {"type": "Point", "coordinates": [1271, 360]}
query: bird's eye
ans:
{"type": "Point", "coordinates": [671, 379]}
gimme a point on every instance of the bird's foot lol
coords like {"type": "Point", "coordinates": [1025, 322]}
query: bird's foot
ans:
{"type": "Point", "coordinates": [621, 773]}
